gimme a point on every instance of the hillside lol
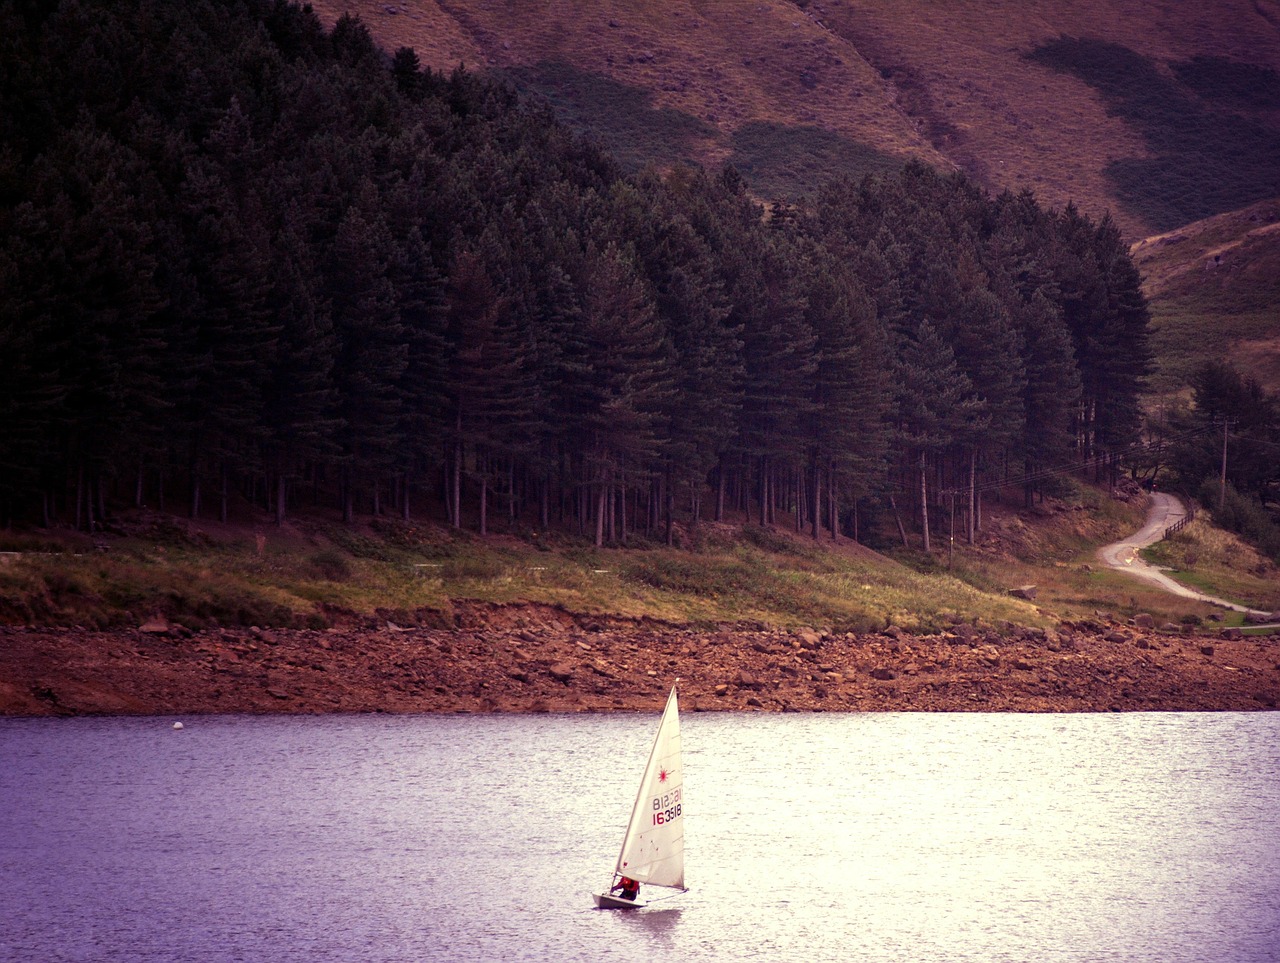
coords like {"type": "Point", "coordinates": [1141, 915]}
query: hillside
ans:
{"type": "Point", "coordinates": [1158, 112]}
{"type": "Point", "coordinates": [1214, 286]}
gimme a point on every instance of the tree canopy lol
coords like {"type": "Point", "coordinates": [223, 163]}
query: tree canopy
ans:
{"type": "Point", "coordinates": [244, 257]}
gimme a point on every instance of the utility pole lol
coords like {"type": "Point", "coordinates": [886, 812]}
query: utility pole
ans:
{"type": "Point", "coordinates": [1222, 485]}
{"type": "Point", "coordinates": [951, 542]}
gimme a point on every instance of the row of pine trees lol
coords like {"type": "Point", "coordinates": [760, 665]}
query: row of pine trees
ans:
{"type": "Point", "coordinates": [243, 257]}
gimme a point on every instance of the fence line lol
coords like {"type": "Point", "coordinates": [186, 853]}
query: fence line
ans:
{"type": "Point", "coordinates": [1181, 523]}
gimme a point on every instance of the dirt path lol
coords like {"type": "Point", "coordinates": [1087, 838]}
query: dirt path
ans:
{"type": "Point", "coordinates": [1124, 555]}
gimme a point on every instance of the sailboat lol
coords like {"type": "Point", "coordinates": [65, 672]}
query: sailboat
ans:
{"type": "Point", "coordinates": [653, 847]}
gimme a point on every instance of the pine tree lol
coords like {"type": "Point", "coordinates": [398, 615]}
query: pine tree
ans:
{"type": "Point", "coordinates": [845, 427]}
{"type": "Point", "coordinates": [487, 407]}
{"type": "Point", "coordinates": [298, 418]}
{"type": "Point", "coordinates": [1052, 392]}
{"type": "Point", "coordinates": [223, 295]}
{"type": "Point", "coordinates": [779, 359]}
{"type": "Point", "coordinates": [30, 390]}
{"type": "Point", "coordinates": [1022, 259]}
{"type": "Point", "coordinates": [424, 314]}
{"type": "Point", "coordinates": [1107, 315]}
{"type": "Point", "coordinates": [1235, 411]}
{"type": "Point", "coordinates": [628, 378]}
{"type": "Point", "coordinates": [936, 404]}
{"type": "Point", "coordinates": [689, 298]}
{"type": "Point", "coordinates": [88, 263]}
{"type": "Point", "coordinates": [371, 354]}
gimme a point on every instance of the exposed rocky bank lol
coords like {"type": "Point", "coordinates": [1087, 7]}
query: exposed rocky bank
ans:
{"type": "Point", "coordinates": [542, 659]}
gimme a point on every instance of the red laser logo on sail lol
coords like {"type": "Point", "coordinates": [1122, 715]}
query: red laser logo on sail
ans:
{"type": "Point", "coordinates": [662, 775]}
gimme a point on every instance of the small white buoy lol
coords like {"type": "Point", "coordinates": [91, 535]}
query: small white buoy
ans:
{"type": "Point", "coordinates": [177, 725]}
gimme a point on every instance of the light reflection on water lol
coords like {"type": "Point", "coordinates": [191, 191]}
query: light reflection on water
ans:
{"type": "Point", "coordinates": [870, 837]}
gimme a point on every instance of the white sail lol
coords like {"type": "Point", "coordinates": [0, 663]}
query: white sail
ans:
{"type": "Point", "coordinates": [653, 848]}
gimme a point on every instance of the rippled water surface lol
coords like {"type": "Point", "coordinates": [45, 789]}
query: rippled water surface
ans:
{"type": "Point", "coordinates": [878, 837]}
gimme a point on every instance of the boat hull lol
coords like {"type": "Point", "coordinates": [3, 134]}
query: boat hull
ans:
{"type": "Point", "coordinates": [607, 901]}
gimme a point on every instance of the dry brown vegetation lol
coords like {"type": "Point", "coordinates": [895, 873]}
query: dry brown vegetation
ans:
{"type": "Point", "coordinates": [856, 85]}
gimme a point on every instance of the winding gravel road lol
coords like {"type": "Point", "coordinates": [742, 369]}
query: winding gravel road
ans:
{"type": "Point", "coordinates": [1123, 556]}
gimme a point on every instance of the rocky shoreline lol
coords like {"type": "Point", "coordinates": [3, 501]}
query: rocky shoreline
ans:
{"type": "Point", "coordinates": [542, 659]}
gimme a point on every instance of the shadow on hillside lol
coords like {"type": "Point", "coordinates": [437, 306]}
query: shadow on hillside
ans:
{"type": "Point", "coordinates": [781, 161]}
{"type": "Point", "coordinates": [621, 117]}
{"type": "Point", "coordinates": [1210, 128]}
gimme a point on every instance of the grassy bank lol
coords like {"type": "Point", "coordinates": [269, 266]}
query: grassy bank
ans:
{"type": "Point", "coordinates": [315, 572]}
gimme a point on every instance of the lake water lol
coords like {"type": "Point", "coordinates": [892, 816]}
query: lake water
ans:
{"type": "Point", "coordinates": [875, 837]}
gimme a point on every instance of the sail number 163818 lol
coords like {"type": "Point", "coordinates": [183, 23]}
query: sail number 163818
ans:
{"type": "Point", "coordinates": [666, 807]}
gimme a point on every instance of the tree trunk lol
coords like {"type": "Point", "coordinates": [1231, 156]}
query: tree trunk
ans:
{"type": "Point", "coordinates": [281, 490]}
{"type": "Point", "coordinates": [977, 513]}
{"type": "Point", "coordinates": [897, 517]}
{"type": "Point", "coordinates": [796, 485]}
{"type": "Point", "coordinates": [924, 502]}
{"type": "Point", "coordinates": [79, 497]}
{"type": "Point", "coordinates": [601, 497]}
{"type": "Point", "coordinates": [611, 501]}
{"type": "Point", "coordinates": [224, 496]}
{"type": "Point", "coordinates": [622, 511]}
{"type": "Point", "coordinates": [833, 504]}
{"type": "Point", "coordinates": [973, 492]}
{"type": "Point", "coordinates": [669, 500]}
{"type": "Point", "coordinates": [455, 487]}
{"type": "Point", "coordinates": [87, 492]}
{"type": "Point", "coordinates": [764, 491]}
{"type": "Point", "coordinates": [817, 501]}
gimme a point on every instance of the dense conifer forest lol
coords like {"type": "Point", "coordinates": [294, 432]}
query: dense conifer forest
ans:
{"type": "Point", "coordinates": [246, 258]}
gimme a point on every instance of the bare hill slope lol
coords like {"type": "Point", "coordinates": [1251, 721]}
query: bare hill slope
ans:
{"type": "Point", "coordinates": [1160, 112]}
{"type": "Point", "coordinates": [1214, 288]}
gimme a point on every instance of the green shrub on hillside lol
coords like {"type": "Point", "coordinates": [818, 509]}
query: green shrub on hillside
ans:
{"type": "Point", "coordinates": [691, 576]}
{"type": "Point", "coordinates": [331, 565]}
{"type": "Point", "coordinates": [1245, 515]}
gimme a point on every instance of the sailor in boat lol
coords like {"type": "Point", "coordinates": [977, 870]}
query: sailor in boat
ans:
{"type": "Point", "coordinates": [630, 888]}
